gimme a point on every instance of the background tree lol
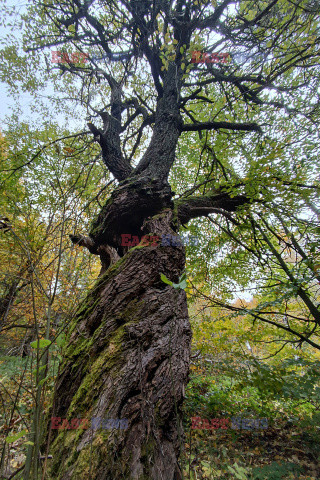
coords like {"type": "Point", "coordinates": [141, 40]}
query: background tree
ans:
{"type": "Point", "coordinates": [36, 256]}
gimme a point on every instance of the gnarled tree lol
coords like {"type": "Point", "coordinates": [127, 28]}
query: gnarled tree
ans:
{"type": "Point", "coordinates": [128, 346]}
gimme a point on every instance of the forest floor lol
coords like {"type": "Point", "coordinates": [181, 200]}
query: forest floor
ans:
{"type": "Point", "coordinates": [279, 452]}
{"type": "Point", "coordinates": [276, 453]}
{"type": "Point", "coordinates": [288, 449]}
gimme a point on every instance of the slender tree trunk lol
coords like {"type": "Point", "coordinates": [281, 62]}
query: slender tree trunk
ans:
{"type": "Point", "coordinates": [127, 358]}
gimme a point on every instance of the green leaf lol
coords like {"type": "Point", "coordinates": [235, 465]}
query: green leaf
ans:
{"type": "Point", "coordinates": [165, 279]}
{"type": "Point", "coordinates": [251, 15]}
{"type": "Point", "coordinates": [61, 339]}
{"type": "Point", "coordinates": [34, 372]}
{"type": "Point", "coordinates": [42, 343]}
{"type": "Point", "coordinates": [13, 438]}
{"type": "Point", "coordinates": [183, 277]}
{"type": "Point", "coordinates": [42, 381]}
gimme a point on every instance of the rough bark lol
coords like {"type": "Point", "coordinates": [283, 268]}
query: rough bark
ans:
{"type": "Point", "coordinates": [127, 357]}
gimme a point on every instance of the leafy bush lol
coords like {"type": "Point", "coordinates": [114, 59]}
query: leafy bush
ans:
{"type": "Point", "coordinates": [10, 366]}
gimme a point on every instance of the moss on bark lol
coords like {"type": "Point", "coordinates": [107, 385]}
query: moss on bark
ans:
{"type": "Point", "coordinates": [127, 357]}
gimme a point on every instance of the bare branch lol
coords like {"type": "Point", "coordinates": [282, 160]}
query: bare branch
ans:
{"type": "Point", "coordinates": [196, 127]}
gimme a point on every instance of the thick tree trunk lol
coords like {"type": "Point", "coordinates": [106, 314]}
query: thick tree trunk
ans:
{"type": "Point", "coordinates": [127, 358]}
